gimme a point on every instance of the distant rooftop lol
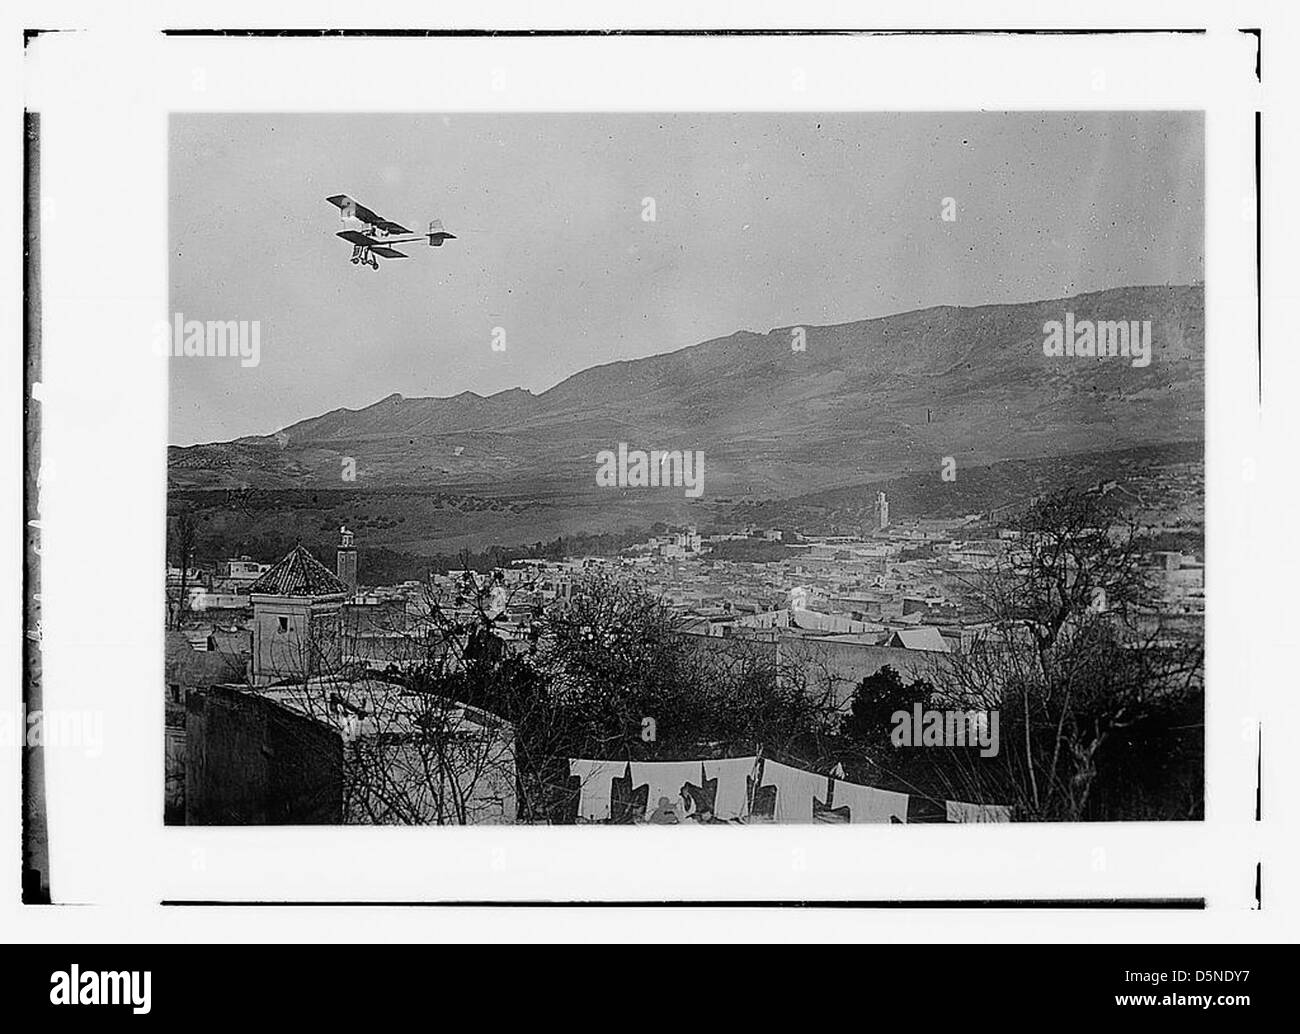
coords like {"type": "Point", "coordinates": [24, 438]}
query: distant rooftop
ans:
{"type": "Point", "coordinates": [299, 573]}
{"type": "Point", "coordinates": [927, 638]}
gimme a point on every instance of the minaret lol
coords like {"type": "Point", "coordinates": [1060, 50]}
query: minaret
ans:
{"type": "Point", "coordinates": [347, 559]}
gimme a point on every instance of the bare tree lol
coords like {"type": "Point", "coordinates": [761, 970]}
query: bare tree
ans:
{"type": "Point", "coordinates": [414, 753]}
{"type": "Point", "coordinates": [1062, 659]}
{"type": "Point", "coordinates": [628, 683]}
{"type": "Point", "coordinates": [185, 540]}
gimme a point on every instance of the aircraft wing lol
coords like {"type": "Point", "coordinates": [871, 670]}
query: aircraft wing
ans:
{"type": "Point", "coordinates": [355, 209]}
{"type": "Point", "coordinates": [357, 237]}
{"type": "Point", "coordinates": [384, 252]}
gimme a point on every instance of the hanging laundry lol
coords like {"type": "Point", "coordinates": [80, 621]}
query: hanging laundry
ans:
{"type": "Point", "coordinates": [706, 790]}
{"type": "Point", "coordinates": [825, 810]}
{"type": "Point", "coordinates": [627, 800]}
{"type": "Point", "coordinates": [611, 791]}
{"type": "Point", "coordinates": [925, 809]}
{"type": "Point", "coordinates": [760, 800]}
{"type": "Point", "coordinates": [667, 779]}
{"type": "Point", "coordinates": [750, 789]}
{"type": "Point", "coordinates": [795, 790]}
{"type": "Point", "coordinates": [701, 800]}
{"type": "Point", "coordinates": [593, 781]}
{"type": "Point", "coordinates": [868, 804]}
{"type": "Point", "coordinates": [730, 802]}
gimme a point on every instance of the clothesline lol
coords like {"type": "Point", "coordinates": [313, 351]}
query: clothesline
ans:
{"type": "Point", "coordinates": [744, 789]}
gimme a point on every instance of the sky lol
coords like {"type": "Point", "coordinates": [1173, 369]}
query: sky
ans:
{"type": "Point", "coordinates": [760, 221]}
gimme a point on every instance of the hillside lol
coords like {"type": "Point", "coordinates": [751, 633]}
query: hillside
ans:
{"type": "Point", "coordinates": [864, 401]}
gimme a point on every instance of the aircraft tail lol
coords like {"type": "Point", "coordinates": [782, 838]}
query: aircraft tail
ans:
{"type": "Point", "coordinates": [437, 234]}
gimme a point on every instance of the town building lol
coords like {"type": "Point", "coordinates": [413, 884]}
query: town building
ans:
{"type": "Point", "coordinates": [297, 611]}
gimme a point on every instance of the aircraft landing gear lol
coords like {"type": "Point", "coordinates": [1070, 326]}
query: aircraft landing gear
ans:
{"type": "Point", "coordinates": [361, 256]}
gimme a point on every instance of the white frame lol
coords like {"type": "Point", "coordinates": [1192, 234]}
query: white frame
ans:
{"type": "Point", "coordinates": [104, 96]}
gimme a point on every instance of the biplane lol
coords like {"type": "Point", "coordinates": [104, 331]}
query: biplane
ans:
{"type": "Point", "coordinates": [377, 240]}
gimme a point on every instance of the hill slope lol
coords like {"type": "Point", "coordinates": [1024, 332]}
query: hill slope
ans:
{"type": "Point", "coordinates": [863, 400]}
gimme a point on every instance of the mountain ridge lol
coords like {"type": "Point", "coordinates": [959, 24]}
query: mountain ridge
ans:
{"type": "Point", "coordinates": [866, 397]}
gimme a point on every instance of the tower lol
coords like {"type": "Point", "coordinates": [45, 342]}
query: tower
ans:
{"type": "Point", "coordinates": [297, 608]}
{"type": "Point", "coordinates": [347, 559]}
{"type": "Point", "coordinates": [882, 511]}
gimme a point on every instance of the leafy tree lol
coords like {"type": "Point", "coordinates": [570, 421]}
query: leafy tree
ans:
{"type": "Point", "coordinates": [876, 700]}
